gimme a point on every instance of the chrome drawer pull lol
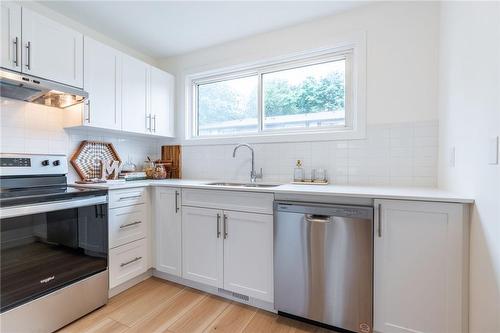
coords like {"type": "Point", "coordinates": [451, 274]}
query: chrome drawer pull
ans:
{"type": "Point", "coordinates": [131, 197]}
{"type": "Point", "coordinates": [130, 224]}
{"type": "Point", "coordinates": [130, 262]}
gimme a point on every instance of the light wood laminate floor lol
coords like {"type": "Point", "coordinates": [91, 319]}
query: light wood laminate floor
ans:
{"type": "Point", "coordinates": [156, 305]}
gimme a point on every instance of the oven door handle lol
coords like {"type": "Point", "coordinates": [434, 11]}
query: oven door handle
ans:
{"type": "Point", "coordinates": [46, 207]}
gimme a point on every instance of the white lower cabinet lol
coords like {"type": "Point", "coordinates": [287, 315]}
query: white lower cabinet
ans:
{"type": "Point", "coordinates": [228, 249]}
{"type": "Point", "coordinates": [129, 240]}
{"type": "Point", "coordinates": [168, 230]}
{"type": "Point", "coordinates": [127, 224]}
{"type": "Point", "coordinates": [421, 252]}
{"type": "Point", "coordinates": [248, 254]}
{"type": "Point", "coordinates": [127, 261]}
{"type": "Point", "coordinates": [202, 255]}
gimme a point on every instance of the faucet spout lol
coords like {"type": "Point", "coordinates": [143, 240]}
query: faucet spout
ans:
{"type": "Point", "coordinates": [253, 174]}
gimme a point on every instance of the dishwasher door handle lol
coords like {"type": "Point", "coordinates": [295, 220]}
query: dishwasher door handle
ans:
{"type": "Point", "coordinates": [318, 218]}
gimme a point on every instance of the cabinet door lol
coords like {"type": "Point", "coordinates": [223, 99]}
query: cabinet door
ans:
{"type": "Point", "coordinates": [162, 102]}
{"type": "Point", "coordinates": [168, 230]}
{"type": "Point", "coordinates": [248, 254]}
{"type": "Point", "coordinates": [134, 95]}
{"type": "Point", "coordinates": [102, 75]}
{"type": "Point", "coordinates": [420, 265]}
{"type": "Point", "coordinates": [11, 36]}
{"type": "Point", "coordinates": [51, 50]}
{"type": "Point", "coordinates": [202, 253]}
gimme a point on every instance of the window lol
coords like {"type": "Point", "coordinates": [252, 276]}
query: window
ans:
{"type": "Point", "coordinates": [311, 95]}
{"type": "Point", "coordinates": [228, 107]}
{"type": "Point", "coordinates": [306, 97]}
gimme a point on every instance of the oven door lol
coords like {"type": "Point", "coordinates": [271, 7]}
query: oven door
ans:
{"type": "Point", "coordinates": [47, 246]}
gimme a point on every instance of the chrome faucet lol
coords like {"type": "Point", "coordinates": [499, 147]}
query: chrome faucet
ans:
{"type": "Point", "coordinates": [253, 174]}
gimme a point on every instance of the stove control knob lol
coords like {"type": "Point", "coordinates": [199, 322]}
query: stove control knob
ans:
{"type": "Point", "coordinates": [45, 162]}
{"type": "Point", "coordinates": [56, 163]}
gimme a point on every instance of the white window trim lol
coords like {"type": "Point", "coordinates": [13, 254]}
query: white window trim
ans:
{"type": "Point", "coordinates": [355, 119]}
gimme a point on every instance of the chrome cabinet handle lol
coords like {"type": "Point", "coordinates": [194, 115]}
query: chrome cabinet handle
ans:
{"type": "Point", "coordinates": [225, 226]}
{"type": "Point", "coordinates": [130, 224]}
{"type": "Point", "coordinates": [318, 218]}
{"type": "Point", "coordinates": [379, 218]}
{"type": "Point", "coordinates": [130, 261]}
{"type": "Point", "coordinates": [28, 55]}
{"type": "Point", "coordinates": [218, 225]}
{"type": "Point", "coordinates": [176, 201]}
{"type": "Point", "coordinates": [154, 123]}
{"type": "Point", "coordinates": [130, 197]}
{"type": "Point", "coordinates": [16, 53]}
{"type": "Point", "coordinates": [87, 114]}
{"type": "Point", "coordinates": [148, 122]}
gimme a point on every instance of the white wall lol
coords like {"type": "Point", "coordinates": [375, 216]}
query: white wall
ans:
{"type": "Point", "coordinates": [469, 103]}
{"type": "Point", "coordinates": [402, 45]}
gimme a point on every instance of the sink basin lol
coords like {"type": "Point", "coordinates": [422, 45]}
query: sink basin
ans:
{"type": "Point", "coordinates": [242, 184]}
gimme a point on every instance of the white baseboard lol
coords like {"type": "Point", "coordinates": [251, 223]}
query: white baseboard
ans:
{"type": "Point", "coordinates": [214, 291]}
{"type": "Point", "coordinates": [130, 283]}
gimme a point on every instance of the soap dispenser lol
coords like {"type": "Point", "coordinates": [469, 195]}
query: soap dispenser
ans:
{"type": "Point", "coordinates": [298, 172]}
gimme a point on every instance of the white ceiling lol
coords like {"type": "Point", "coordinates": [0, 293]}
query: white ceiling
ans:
{"type": "Point", "coordinates": [165, 28]}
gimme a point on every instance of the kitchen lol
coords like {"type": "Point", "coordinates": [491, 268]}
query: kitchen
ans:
{"type": "Point", "coordinates": [331, 167]}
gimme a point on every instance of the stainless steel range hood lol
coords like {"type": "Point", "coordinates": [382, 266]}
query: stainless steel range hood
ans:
{"type": "Point", "coordinates": [32, 89]}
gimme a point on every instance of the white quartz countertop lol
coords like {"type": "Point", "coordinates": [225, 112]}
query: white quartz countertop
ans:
{"type": "Point", "coordinates": [374, 192]}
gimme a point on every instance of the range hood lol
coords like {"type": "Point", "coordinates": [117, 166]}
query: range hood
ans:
{"type": "Point", "coordinates": [32, 89]}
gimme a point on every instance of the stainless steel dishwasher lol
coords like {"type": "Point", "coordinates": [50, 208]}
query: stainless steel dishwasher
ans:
{"type": "Point", "coordinates": [323, 263]}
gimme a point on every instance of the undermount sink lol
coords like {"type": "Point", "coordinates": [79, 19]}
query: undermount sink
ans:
{"type": "Point", "coordinates": [242, 184]}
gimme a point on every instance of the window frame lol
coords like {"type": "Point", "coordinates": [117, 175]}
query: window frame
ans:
{"type": "Point", "coordinates": [353, 50]}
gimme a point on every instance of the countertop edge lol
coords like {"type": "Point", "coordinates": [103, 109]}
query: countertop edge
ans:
{"type": "Point", "coordinates": [415, 194]}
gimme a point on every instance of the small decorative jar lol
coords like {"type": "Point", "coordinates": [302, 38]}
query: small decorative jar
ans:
{"type": "Point", "coordinates": [149, 168]}
{"type": "Point", "coordinates": [160, 172]}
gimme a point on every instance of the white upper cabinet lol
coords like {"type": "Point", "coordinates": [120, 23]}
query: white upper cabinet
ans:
{"type": "Point", "coordinates": [102, 80]}
{"type": "Point", "coordinates": [11, 36]}
{"type": "Point", "coordinates": [135, 85]}
{"type": "Point", "coordinates": [51, 50]}
{"type": "Point", "coordinates": [420, 266]}
{"type": "Point", "coordinates": [124, 93]}
{"type": "Point", "coordinates": [168, 230]}
{"type": "Point", "coordinates": [248, 254]}
{"type": "Point", "coordinates": [161, 102]}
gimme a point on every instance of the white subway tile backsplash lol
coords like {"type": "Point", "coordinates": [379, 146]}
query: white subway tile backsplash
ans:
{"type": "Point", "coordinates": [393, 154]}
{"type": "Point", "coordinates": [38, 129]}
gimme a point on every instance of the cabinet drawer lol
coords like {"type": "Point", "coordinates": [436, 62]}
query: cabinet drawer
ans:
{"type": "Point", "coordinates": [127, 224]}
{"type": "Point", "coordinates": [127, 261]}
{"type": "Point", "coordinates": [229, 200]}
{"type": "Point", "coordinates": [127, 197]}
